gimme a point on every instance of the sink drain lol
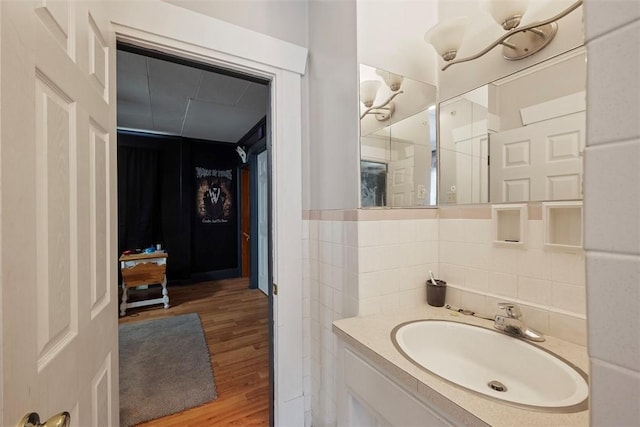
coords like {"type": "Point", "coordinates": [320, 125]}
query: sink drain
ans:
{"type": "Point", "coordinates": [497, 386]}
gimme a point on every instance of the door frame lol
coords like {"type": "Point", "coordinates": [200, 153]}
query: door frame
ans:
{"type": "Point", "coordinates": [157, 25]}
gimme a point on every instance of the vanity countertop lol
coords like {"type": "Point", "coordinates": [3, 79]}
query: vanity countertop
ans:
{"type": "Point", "coordinates": [371, 336]}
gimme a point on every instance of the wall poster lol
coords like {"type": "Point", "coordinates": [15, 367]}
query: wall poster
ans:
{"type": "Point", "coordinates": [214, 195]}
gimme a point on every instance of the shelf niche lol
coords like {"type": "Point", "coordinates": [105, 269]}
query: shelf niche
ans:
{"type": "Point", "coordinates": [509, 224]}
{"type": "Point", "coordinates": [562, 225]}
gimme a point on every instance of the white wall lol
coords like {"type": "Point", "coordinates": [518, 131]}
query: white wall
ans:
{"type": "Point", "coordinates": [283, 19]}
{"type": "Point", "coordinates": [334, 149]}
{"type": "Point", "coordinates": [390, 37]}
{"type": "Point", "coordinates": [612, 209]}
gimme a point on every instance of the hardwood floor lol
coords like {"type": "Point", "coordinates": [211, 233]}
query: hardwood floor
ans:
{"type": "Point", "coordinates": [235, 322]}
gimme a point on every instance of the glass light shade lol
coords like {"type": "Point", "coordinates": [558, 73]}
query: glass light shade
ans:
{"type": "Point", "coordinates": [391, 79]}
{"type": "Point", "coordinates": [447, 35]}
{"type": "Point", "coordinates": [368, 91]}
{"type": "Point", "coordinates": [503, 10]}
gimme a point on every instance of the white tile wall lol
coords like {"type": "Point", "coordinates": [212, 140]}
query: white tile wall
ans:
{"type": "Point", "coordinates": [394, 260]}
{"type": "Point", "coordinates": [613, 109]}
{"type": "Point", "coordinates": [614, 395]}
{"type": "Point", "coordinates": [617, 194]}
{"type": "Point", "coordinates": [356, 268]}
{"type": "Point", "coordinates": [549, 285]}
{"type": "Point", "coordinates": [612, 209]}
{"type": "Point", "coordinates": [614, 308]}
{"type": "Point", "coordinates": [307, 272]}
{"type": "Point", "coordinates": [333, 285]}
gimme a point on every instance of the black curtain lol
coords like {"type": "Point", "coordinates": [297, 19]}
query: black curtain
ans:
{"type": "Point", "coordinates": [139, 196]}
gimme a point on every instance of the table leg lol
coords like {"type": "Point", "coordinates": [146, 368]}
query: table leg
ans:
{"type": "Point", "coordinates": [165, 293]}
{"type": "Point", "coordinates": [123, 304]}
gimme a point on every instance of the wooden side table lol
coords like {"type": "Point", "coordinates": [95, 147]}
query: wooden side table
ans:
{"type": "Point", "coordinates": [143, 269]}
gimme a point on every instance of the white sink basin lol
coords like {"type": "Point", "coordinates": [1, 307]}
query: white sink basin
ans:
{"type": "Point", "coordinates": [486, 361]}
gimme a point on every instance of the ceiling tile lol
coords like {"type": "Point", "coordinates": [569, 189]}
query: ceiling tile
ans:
{"type": "Point", "coordinates": [256, 97]}
{"type": "Point", "coordinates": [133, 88]}
{"type": "Point", "coordinates": [221, 89]}
{"type": "Point", "coordinates": [224, 124]}
{"type": "Point", "coordinates": [171, 87]}
{"type": "Point", "coordinates": [134, 121]}
{"type": "Point", "coordinates": [168, 123]}
{"type": "Point", "coordinates": [154, 95]}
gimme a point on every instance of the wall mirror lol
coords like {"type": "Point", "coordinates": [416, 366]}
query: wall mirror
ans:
{"type": "Point", "coordinates": [517, 139]}
{"type": "Point", "coordinates": [397, 140]}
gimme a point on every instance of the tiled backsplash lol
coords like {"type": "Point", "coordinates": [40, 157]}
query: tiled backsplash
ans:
{"type": "Point", "coordinates": [394, 259]}
{"type": "Point", "coordinates": [549, 286]}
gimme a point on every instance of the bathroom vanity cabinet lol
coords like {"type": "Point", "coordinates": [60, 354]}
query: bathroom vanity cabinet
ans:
{"type": "Point", "coordinates": [371, 398]}
{"type": "Point", "coordinates": [378, 386]}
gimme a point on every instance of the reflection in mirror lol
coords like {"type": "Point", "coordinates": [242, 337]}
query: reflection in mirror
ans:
{"type": "Point", "coordinates": [517, 139]}
{"type": "Point", "coordinates": [398, 140]}
{"type": "Point", "coordinates": [373, 183]}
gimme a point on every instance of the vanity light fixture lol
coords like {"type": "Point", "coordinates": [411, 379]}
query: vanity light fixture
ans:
{"type": "Point", "coordinates": [369, 91]}
{"type": "Point", "coordinates": [518, 42]}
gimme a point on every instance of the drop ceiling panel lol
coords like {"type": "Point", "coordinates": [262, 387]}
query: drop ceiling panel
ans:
{"type": "Point", "coordinates": [255, 97]}
{"type": "Point", "coordinates": [221, 89]}
{"type": "Point", "coordinates": [161, 96]}
{"type": "Point", "coordinates": [133, 89]}
{"type": "Point", "coordinates": [168, 123]}
{"type": "Point", "coordinates": [171, 85]}
{"type": "Point", "coordinates": [224, 124]}
{"type": "Point", "coordinates": [135, 121]}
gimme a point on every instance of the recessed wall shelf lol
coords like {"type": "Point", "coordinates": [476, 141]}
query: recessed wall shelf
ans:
{"type": "Point", "coordinates": [562, 225]}
{"type": "Point", "coordinates": [509, 224]}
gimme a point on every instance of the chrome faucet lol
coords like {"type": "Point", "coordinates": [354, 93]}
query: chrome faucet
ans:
{"type": "Point", "coordinates": [512, 323]}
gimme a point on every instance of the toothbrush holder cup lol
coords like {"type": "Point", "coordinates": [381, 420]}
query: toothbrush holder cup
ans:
{"type": "Point", "coordinates": [436, 293]}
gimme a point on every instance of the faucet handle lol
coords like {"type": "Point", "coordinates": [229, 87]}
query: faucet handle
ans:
{"type": "Point", "coordinates": [512, 309]}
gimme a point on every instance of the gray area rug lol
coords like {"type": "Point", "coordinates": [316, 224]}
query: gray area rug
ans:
{"type": "Point", "coordinates": [165, 367]}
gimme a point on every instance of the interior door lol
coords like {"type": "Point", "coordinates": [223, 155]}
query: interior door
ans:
{"type": "Point", "coordinates": [400, 182]}
{"type": "Point", "coordinates": [472, 169]}
{"type": "Point", "coordinates": [540, 161]}
{"type": "Point", "coordinates": [245, 220]}
{"type": "Point", "coordinates": [263, 222]}
{"type": "Point", "coordinates": [58, 268]}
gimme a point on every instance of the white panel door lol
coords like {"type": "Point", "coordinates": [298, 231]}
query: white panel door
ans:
{"type": "Point", "coordinates": [472, 168]}
{"type": "Point", "coordinates": [58, 268]}
{"type": "Point", "coordinates": [400, 175]}
{"type": "Point", "coordinates": [541, 161]}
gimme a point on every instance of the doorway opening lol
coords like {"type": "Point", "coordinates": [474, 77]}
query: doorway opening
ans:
{"type": "Point", "coordinates": [193, 172]}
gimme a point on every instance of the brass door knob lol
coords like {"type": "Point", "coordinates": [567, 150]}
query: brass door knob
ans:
{"type": "Point", "coordinates": [63, 419]}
